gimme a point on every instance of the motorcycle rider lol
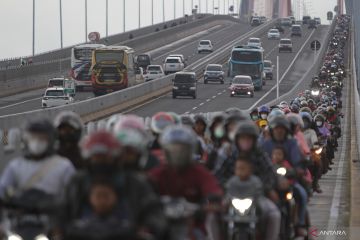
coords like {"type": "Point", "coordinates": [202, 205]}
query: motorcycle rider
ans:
{"type": "Point", "coordinates": [182, 177]}
{"type": "Point", "coordinates": [254, 114]}
{"type": "Point", "coordinates": [69, 128]}
{"type": "Point", "coordinates": [39, 168]}
{"type": "Point", "coordinates": [102, 151]}
{"type": "Point", "coordinates": [263, 113]}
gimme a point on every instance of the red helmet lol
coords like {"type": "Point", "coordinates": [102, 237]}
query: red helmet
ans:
{"type": "Point", "coordinates": [160, 121]}
{"type": "Point", "coordinates": [130, 121]}
{"type": "Point", "coordinates": [100, 142]}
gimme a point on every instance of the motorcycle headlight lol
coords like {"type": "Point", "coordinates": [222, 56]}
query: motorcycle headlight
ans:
{"type": "Point", "coordinates": [318, 151]}
{"type": "Point", "coordinates": [192, 88]}
{"type": "Point", "coordinates": [175, 88]}
{"type": "Point", "coordinates": [14, 236]}
{"type": "Point", "coordinates": [341, 72]}
{"type": "Point", "coordinates": [233, 92]}
{"type": "Point", "coordinates": [242, 205]}
{"type": "Point", "coordinates": [248, 93]}
{"type": "Point", "coordinates": [315, 92]}
{"type": "Point", "coordinates": [41, 237]}
{"type": "Point", "coordinates": [332, 74]}
{"type": "Point", "coordinates": [281, 171]}
{"type": "Point", "coordinates": [289, 196]}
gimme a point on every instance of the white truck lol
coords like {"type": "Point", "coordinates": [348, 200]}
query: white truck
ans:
{"type": "Point", "coordinates": [173, 65]}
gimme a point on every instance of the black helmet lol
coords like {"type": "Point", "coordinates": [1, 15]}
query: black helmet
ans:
{"type": "Point", "coordinates": [43, 127]}
{"type": "Point", "coordinates": [187, 121]}
{"type": "Point", "coordinates": [279, 121]}
{"type": "Point", "coordinates": [237, 114]}
{"type": "Point", "coordinates": [73, 120]}
{"type": "Point", "coordinates": [247, 128]}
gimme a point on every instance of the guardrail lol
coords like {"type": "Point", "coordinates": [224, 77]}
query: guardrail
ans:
{"type": "Point", "coordinates": [65, 52]}
{"type": "Point", "coordinates": [355, 85]}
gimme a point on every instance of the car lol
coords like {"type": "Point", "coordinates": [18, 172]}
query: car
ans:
{"type": "Point", "coordinates": [214, 72]}
{"type": "Point", "coordinates": [312, 24]}
{"type": "Point", "coordinates": [306, 19]}
{"type": "Point", "coordinates": [241, 85]}
{"type": "Point", "coordinates": [183, 59]}
{"type": "Point", "coordinates": [296, 30]}
{"type": "Point", "coordinates": [55, 96]}
{"type": "Point", "coordinates": [280, 28]}
{"type": "Point", "coordinates": [254, 42]}
{"type": "Point", "coordinates": [273, 34]}
{"type": "Point", "coordinates": [255, 21]}
{"type": "Point", "coordinates": [184, 84]}
{"type": "Point", "coordinates": [173, 65]}
{"type": "Point", "coordinates": [286, 22]}
{"type": "Point", "coordinates": [205, 46]}
{"type": "Point", "coordinates": [317, 20]}
{"type": "Point", "coordinates": [154, 72]}
{"type": "Point", "coordinates": [262, 19]}
{"type": "Point", "coordinates": [293, 20]}
{"type": "Point", "coordinates": [285, 44]}
{"type": "Point", "coordinates": [268, 69]}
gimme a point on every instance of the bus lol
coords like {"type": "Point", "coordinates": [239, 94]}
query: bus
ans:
{"type": "Point", "coordinates": [247, 60]}
{"type": "Point", "coordinates": [81, 63]}
{"type": "Point", "coordinates": [112, 67]}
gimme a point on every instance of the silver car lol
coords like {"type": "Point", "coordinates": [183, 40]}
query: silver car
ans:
{"type": "Point", "coordinates": [213, 72]}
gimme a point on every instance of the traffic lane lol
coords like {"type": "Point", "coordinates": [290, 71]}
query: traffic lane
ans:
{"type": "Point", "coordinates": [301, 66]}
{"type": "Point", "coordinates": [35, 103]}
{"type": "Point", "coordinates": [222, 99]}
{"type": "Point", "coordinates": [34, 94]}
{"type": "Point", "coordinates": [206, 93]}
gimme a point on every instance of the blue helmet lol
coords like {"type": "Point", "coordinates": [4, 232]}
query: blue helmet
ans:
{"type": "Point", "coordinates": [264, 109]}
{"type": "Point", "coordinates": [306, 115]}
{"type": "Point", "coordinates": [178, 134]}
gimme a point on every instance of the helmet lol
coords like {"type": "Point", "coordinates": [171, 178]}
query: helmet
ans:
{"type": "Point", "coordinates": [311, 102]}
{"type": "Point", "coordinates": [133, 138]}
{"type": "Point", "coordinates": [284, 103]}
{"type": "Point", "coordinates": [305, 109]}
{"type": "Point", "coordinates": [319, 117]}
{"type": "Point", "coordinates": [264, 109]}
{"type": "Point", "coordinates": [274, 113]}
{"type": "Point", "coordinates": [295, 119]}
{"type": "Point", "coordinates": [279, 121]}
{"type": "Point", "coordinates": [176, 117]}
{"type": "Point", "coordinates": [307, 93]}
{"type": "Point", "coordinates": [236, 114]}
{"type": "Point", "coordinates": [247, 128]}
{"type": "Point", "coordinates": [330, 110]}
{"type": "Point", "coordinates": [304, 104]}
{"type": "Point", "coordinates": [216, 119]}
{"type": "Point", "coordinates": [110, 124]}
{"type": "Point", "coordinates": [200, 118]}
{"type": "Point", "coordinates": [254, 111]}
{"type": "Point", "coordinates": [129, 121]}
{"type": "Point", "coordinates": [294, 108]}
{"type": "Point", "coordinates": [306, 115]}
{"type": "Point", "coordinates": [39, 149]}
{"type": "Point", "coordinates": [187, 121]}
{"type": "Point", "coordinates": [160, 121]}
{"type": "Point", "coordinates": [69, 118]}
{"type": "Point", "coordinates": [262, 123]}
{"type": "Point", "coordinates": [178, 134]}
{"type": "Point", "coordinates": [100, 142]}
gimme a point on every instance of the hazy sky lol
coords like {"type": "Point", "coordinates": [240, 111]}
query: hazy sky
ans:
{"type": "Point", "coordinates": [16, 20]}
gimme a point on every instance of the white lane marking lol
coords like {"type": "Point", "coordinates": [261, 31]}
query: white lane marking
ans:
{"type": "Point", "coordinates": [335, 202]}
{"type": "Point", "coordinates": [18, 103]}
{"type": "Point", "coordinates": [224, 90]}
{"type": "Point", "coordinates": [213, 96]}
{"type": "Point", "coordinates": [194, 108]}
{"type": "Point", "coordinates": [208, 100]}
{"type": "Point", "coordinates": [173, 44]}
{"type": "Point", "coordinates": [201, 104]}
{"type": "Point", "coordinates": [284, 74]}
{"type": "Point", "coordinates": [186, 113]}
{"type": "Point", "coordinates": [219, 93]}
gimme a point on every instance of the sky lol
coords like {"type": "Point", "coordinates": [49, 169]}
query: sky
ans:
{"type": "Point", "coordinates": [16, 20]}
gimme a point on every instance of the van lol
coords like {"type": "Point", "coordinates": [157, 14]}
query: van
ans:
{"type": "Point", "coordinates": [143, 60]}
{"type": "Point", "coordinates": [184, 84]}
{"type": "Point", "coordinates": [296, 30]}
{"type": "Point", "coordinates": [67, 84]}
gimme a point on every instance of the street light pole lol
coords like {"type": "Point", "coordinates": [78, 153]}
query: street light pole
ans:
{"type": "Point", "coordinates": [61, 28]}
{"type": "Point", "coordinates": [277, 77]}
{"type": "Point", "coordinates": [163, 8]}
{"type": "Point", "coordinates": [183, 7]}
{"type": "Point", "coordinates": [174, 9]}
{"type": "Point", "coordinates": [124, 12]}
{"type": "Point", "coordinates": [207, 6]}
{"type": "Point", "coordinates": [33, 36]}
{"type": "Point", "coordinates": [139, 13]}
{"type": "Point", "coordinates": [86, 28]}
{"type": "Point", "coordinates": [152, 12]}
{"type": "Point", "coordinates": [107, 18]}
{"type": "Point", "coordinates": [213, 7]}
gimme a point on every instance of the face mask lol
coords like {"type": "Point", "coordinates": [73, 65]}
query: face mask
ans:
{"type": "Point", "coordinates": [264, 116]}
{"type": "Point", "coordinates": [254, 117]}
{"type": "Point", "coordinates": [219, 132]}
{"type": "Point", "coordinates": [319, 123]}
{"type": "Point", "coordinates": [231, 135]}
{"type": "Point", "coordinates": [37, 147]}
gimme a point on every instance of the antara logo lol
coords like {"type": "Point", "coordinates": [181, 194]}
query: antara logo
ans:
{"type": "Point", "coordinates": [316, 233]}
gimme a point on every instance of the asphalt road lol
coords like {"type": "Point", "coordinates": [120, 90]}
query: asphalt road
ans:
{"type": "Point", "coordinates": [220, 34]}
{"type": "Point", "coordinates": [216, 97]}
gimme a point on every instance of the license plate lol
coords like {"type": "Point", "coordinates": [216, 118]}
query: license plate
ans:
{"type": "Point", "coordinates": [172, 65]}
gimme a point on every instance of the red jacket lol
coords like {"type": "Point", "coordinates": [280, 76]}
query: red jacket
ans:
{"type": "Point", "coordinates": [195, 183]}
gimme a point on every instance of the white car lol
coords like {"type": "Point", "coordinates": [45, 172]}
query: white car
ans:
{"type": "Point", "coordinates": [183, 59]}
{"type": "Point", "coordinates": [54, 97]}
{"type": "Point", "coordinates": [254, 42]}
{"type": "Point", "coordinates": [205, 46]}
{"type": "Point", "coordinates": [173, 65]}
{"type": "Point", "coordinates": [154, 72]}
{"type": "Point", "coordinates": [273, 34]}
